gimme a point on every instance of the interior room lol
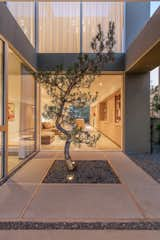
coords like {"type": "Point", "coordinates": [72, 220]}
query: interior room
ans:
{"type": "Point", "coordinates": [21, 112]}
{"type": "Point", "coordinates": [104, 116]}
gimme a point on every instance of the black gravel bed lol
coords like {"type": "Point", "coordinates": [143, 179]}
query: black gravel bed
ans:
{"type": "Point", "coordinates": [149, 163]}
{"type": "Point", "coordinates": [86, 172]}
{"type": "Point", "coordinates": [79, 226]}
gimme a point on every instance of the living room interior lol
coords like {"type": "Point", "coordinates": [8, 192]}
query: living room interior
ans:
{"type": "Point", "coordinates": [104, 117]}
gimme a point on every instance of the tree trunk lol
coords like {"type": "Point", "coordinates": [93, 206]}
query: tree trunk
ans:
{"type": "Point", "coordinates": [70, 164]}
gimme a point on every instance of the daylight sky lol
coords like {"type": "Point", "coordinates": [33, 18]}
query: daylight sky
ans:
{"type": "Point", "coordinates": [154, 74]}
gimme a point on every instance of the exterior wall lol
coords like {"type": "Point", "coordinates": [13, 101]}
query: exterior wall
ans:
{"type": "Point", "coordinates": [13, 34]}
{"type": "Point", "coordinates": [143, 54]}
{"type": "Point", "coordinates": [137, 14]}
{"type": "Point", "coordinates": [137, 117]}
{"type": "Point", "coordinates": [47, 61]}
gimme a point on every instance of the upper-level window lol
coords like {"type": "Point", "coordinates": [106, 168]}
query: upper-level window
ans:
{"type": "Point", "coordinates": [95, 13]}
{"type": "Point", "coordinates": [24, 13]}
{"type": "Point", "coordinates": [59, 27]}
{"type": "Point", "coordinates": [154, 5]}
{"type": "Point", "coordinates": [68, 27]}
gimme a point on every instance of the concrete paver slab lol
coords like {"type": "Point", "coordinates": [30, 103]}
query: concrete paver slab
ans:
{"type": "Point", "coordinates": [79, 235]}
{"type": "Point", "coordinates": [149, 199]}
{"type": "Point", "coordinates": [128, 171]}
{"type": "Point", "coordinates": [13, 199]}
{"type": "Point", "coordinates": [32, 172]}
{"type": "Point", "coordinates": [75, 202]}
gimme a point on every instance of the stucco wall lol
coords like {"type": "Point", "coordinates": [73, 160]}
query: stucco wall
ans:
{"type": "Point", "coordinates": [137, 14]}
{"type": "Point", "coordinates": [137, 117]}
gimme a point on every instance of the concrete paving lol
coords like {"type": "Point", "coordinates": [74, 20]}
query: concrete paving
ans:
{"type": "Point", "coordinates": [82, 202]}
{"type": "Point", "coordinates": [79, 235]}
{"type": "Point", "coordinates": [13, 199]}
{"type": "Point", "coordinates": [24, 197]}
{"type": "Point", "coordinates": [33, 172]}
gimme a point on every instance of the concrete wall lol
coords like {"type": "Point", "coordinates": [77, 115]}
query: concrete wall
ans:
{"type": "Point", "coordinates": [48, 61]}
{"type": "Point", "coordinates": [11, 31]}
{"type": "Point", "coordinates": [137, 117]}
{"type": "Point", "coordinates": [143, 54]}
{"type": "Point", "coordinates": [137, 14]}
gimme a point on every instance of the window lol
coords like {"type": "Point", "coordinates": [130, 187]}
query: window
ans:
{"type": "Point", "coordinates": [68, 27]}
{"type": "Point", "coordinates": [24, 13]}
{"type": "Point", "coordinates": [1, 104]}
{"type": "Point", "coordinates": [21, 112]}
{"type": "Point", "coordinates": [1, 81]}
{"type": "Point", "coordinates": [59, 27]}
{"type": "Point", "coordinates": [95, 13]}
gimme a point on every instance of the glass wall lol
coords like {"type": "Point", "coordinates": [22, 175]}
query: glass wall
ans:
{"type": "Point", "coordinates": [24, 13]}
{"type": "Point", "coordinates": [21, 112]}
{"type": "Point", "coordinates": [1, 103]}
{"type": "Point", "coordinates": [95, 13]}
{"type": "Point", "coordinates": [1, 155]}
{"type": "Point", "coordinates": [59, 27]}
{"type": "Point", "coordinates": [68, 27]}
{"type": "Point", "coordinates": [104, 116]}
{"type": "Point", "coordinates": [1, 79]}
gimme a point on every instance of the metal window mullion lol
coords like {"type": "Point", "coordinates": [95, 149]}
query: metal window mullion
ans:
{"type": "Point", "coordinates": [36, 26]}
{"type": "Point", "coordinates": [81, 26]}
{"type": "Point", "coordinates": [5, 112]}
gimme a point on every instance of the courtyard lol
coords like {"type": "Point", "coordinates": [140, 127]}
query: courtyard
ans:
{"type": "Point", "coordinates": [132, 205]}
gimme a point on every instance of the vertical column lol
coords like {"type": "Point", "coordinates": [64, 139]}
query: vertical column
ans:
{"type": "Point", "coordinates": [137, 113]}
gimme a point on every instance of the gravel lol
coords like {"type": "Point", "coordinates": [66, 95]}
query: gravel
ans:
{"type": "Point", "coordinates": [79, 225]}
{"type": "Point", "coordinates": [86, 172]}
{"type": "Point", "coordinates": [149, 163]}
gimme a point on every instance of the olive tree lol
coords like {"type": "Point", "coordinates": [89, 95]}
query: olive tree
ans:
{"type": "Point", "coordinates": [69, 88]}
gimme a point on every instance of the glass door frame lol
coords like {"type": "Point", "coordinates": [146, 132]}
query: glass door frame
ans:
{"type": "Point", "coordinates": [4, 123]}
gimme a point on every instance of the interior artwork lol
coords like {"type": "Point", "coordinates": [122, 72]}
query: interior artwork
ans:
{"type": "Point", "coordinates": [118, 108]}
{"type": "Point", "coordinates": [11, 111]}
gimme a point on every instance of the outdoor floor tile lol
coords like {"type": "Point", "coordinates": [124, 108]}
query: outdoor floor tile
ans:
{"type": "Point", "coordinates": [13, 199]}
{"type": "Point", "coordinates": [32, 172]}
{"type": "Point", "coordinates": [80, 235]}
{"type": "Point", "coordinates": [128, 171]}
{"type": "Point", "coordinates": [82, 202]}
{"type": "Point", "coordinates": [84, 155]}
{"type": "Point", "coordinates": [46, 154]}
{"type": "Point", "coordinates": [94, 155]}
{"type": "Point", "coordinates": [149, 199]}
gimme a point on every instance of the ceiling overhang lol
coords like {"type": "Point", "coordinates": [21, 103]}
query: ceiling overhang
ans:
{"type": "Point", "coordinates": [144, 53]}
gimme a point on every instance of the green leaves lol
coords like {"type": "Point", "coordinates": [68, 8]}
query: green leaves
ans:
{"type": "Point", "coordinates": [67, 88]}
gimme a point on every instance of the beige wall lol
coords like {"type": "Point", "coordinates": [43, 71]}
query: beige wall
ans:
{"type": "Point", "coordinates": [108, 86]}
{"type": "Point", "coordinates": [14, 96]}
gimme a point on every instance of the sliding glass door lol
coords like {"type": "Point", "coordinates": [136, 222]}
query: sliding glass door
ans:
{"type": "Point", "coordinates": [1, 108]}
{"type": "Point", "coordinates": [21, 112]}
